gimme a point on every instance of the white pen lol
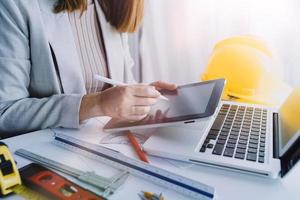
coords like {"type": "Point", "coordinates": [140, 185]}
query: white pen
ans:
{"type": "Point", "coordinates": [115, 82]}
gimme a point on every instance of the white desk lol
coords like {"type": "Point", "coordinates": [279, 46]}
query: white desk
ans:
{"type": "Point", "coordinates": [229, 185]}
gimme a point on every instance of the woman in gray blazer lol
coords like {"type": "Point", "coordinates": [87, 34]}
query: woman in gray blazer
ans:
{"type": "Point", "coordinates": [49, 51]}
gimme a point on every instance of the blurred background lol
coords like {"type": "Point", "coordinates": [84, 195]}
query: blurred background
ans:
{"type": "Point", "coordinates": [178, 36]}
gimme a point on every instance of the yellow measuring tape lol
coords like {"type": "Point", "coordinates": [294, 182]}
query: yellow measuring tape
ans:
{"type": "Point", "coordinates": [9, 174]}
{"type": "Point", "coordinates": [10, 180]}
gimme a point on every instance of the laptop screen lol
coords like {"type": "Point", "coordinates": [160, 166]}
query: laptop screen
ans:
{"type": "Point", "coordinates": [289, 125]}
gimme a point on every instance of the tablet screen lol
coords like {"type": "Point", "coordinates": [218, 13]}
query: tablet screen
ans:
{"type": "Point", "coordinates": [187, 102]}
{"type": "Point", "coordinates": [184, 101]}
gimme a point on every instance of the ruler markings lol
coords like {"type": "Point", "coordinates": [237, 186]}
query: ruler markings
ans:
{"type": "Point", "coordinates": [137, 167]}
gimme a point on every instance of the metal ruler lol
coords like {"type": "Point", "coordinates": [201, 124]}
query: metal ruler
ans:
{"type": "Point", "coordinates": [138, 168]}
{"type": "Point", "coordinates": [107, 185]}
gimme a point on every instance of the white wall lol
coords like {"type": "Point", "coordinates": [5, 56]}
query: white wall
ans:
{"type": "Point", "coordinates": [178, 35]}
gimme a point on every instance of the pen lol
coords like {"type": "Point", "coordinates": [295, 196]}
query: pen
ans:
{"type": "Point", "coordinates": [108, 80]}
{"type": "Point", "coordinates": [137, 147]}
{"type": "Point", "coordinates": [115, 82]}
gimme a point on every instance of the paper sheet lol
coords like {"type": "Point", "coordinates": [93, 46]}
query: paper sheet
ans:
{"type": "Point", "coordinates": [92, 131]}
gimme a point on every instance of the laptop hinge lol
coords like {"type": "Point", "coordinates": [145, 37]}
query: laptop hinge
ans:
{"type": "Point", "coordinates": [275, 136]}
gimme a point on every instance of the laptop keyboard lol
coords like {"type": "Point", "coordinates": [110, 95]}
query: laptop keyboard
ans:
{"type": "Point", "coordinates": [238, 132]}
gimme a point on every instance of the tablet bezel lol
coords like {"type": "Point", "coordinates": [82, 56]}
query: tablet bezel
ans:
{"type": "Point", "coordinates": [209, 111]}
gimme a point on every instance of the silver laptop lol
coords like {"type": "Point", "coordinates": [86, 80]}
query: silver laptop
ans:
{"type": "Point", "coordinates": [246, 138]}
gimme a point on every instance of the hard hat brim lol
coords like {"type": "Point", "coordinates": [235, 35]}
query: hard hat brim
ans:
{"type": "Point", "coordinates": [276, 98]}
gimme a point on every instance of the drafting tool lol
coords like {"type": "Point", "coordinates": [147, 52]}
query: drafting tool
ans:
{"type": "Point", "coordinates": [107, 185]}
{"type": "Point", "coordinates": [9, 174]}
{"type": "Point", "coordinates": [138, 168]}
{"type": "Point", "coordinates": [52, 185]}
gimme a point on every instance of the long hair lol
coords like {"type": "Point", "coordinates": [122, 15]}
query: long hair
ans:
{"type": "Point", "coordinates": [124, 15]}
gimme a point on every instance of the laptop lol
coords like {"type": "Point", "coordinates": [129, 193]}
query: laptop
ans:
{"type": "Point", "coordinates": [245, 138]}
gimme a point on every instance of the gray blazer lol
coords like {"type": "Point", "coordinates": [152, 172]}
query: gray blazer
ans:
{"type": "Point", "coordinates": [41, 84]}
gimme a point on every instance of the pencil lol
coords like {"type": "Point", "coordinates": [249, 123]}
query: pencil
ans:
{"type": "Point", "coordinates": [137, 147]}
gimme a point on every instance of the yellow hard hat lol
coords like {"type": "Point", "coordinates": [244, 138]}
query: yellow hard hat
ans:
{"type": "Point", "coordinates": [248, 66]}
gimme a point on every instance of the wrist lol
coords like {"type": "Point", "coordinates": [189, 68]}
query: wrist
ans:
{"type": "Point", "coordinates": [90, 107]}
{"type": "Point", "coordinates": [99, 108]}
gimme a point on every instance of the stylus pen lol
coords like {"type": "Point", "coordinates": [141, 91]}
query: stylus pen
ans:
{"type": "Point", "coordinates": [115, 82]}
{"type": "Point", "coordinates": [137, 147]}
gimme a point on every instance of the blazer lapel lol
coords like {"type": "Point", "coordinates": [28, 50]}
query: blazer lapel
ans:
{"type": "Point", "coordinates": [60, 36]}
{"type": "Point", "coordinates": [113, 45]}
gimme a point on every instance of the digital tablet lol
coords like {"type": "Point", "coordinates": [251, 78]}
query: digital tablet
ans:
{"type": "Point", "coordinates": [186, 104]}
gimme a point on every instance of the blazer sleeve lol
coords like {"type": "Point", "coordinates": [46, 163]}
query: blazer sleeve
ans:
{"type": "Point", "coordinates": [19, 112]}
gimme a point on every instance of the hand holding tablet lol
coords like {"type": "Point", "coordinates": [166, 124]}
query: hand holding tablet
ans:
{"type": "Point", "coordinates": [129, 102]}
{"type": "Point", "coordinates": [186, 103]}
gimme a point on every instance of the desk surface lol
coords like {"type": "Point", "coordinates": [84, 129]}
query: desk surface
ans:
{"type": "Point", "coordinates": [229, 185]}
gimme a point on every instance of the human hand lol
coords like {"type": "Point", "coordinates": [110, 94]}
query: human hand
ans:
{"type": "Point", "coordinates": [131, 103]}
{"type": "Point", "coordinates": [161, 85]}
{"type": "Point", "coordinates": [158, 116]}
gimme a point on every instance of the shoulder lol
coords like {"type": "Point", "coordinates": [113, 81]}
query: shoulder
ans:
{"type": "Point", "coordinates": [18, 9]}
{"type": "Point", "coordinates": [13, 11]}
{"type": "Point", "coordinates": [18, 6]}
{"type": "Point", "coordinates": [17, 13]}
